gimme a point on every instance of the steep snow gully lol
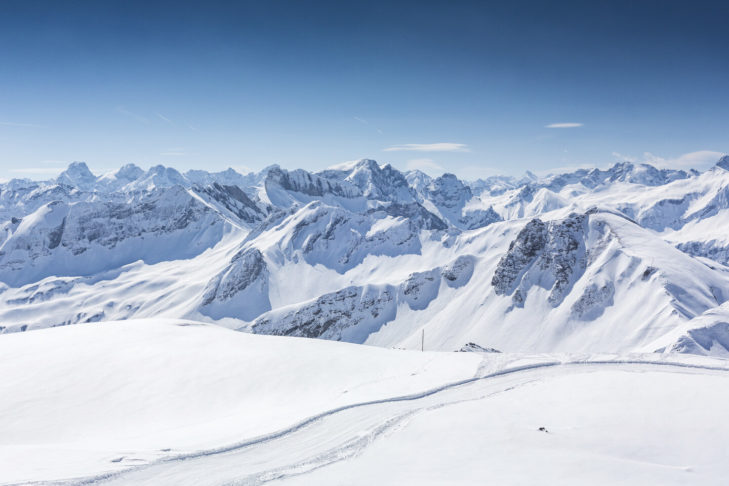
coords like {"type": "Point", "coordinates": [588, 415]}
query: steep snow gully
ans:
{"type": "Point", "coordinates": [345, 432]}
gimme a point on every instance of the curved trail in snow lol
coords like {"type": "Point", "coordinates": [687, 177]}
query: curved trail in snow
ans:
{"type": "Point", "coordinates": [342, 432]}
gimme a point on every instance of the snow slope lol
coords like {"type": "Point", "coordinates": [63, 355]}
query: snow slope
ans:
{"type": "Point", "coordinates": [84, 399]}
{"type": "Point", "coordinates": [179, 402]}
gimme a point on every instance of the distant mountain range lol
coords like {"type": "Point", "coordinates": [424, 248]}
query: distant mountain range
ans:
{"type": "Point", "coordinates": [632, 258]}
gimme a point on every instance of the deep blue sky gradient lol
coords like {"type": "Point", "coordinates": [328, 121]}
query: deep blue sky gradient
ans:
{"type": "Point", "coordinates": [311, 84]}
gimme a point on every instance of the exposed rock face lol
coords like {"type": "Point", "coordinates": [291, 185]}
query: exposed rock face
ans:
{"type": "Point", "coordinates": [305, 183]}
{"type": "Point", "coordinates": [334, 315]}
{"type": "Point", "coordinates": [523, 251]}
{"type": "Point", "coordinates": [240, 290]}
{"type": "Point", "coordinates": [479, 218]}
{"type": "Point", "coordinates": [475, 348]}
{"type": "Point", "coordinates": [458, 272]}
{"type": "Point", "coordinates": [593, 301]}
{"type": "Point", "coordinates": [448, 191]}
{"type": "Point", "coordinates": [353, 313]}
{"type": "Point", "coordinates": [549, 255]}
{"type": "Point", "coordinates": [341, 239]}
{"type": "Point", "coordinates": [414, 211]}
{"type": "Point", "coordinates": [420, 289]}
{"type": "Point", "coordinates": [106, 232]}
{"type": "Point", "coordinates": [245, 267]}
{"type": "Point", "coordinates": [714, 250]}
{"type": "Point", "coordinates": [234, 200]}
{"type": "Point", "coordinates": [380, 183]}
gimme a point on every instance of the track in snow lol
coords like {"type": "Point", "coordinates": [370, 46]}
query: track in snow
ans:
{"type": "Point", "coordinates": [341, 433]}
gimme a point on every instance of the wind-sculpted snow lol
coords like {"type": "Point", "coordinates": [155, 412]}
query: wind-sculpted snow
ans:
{"type": "Point", "coordinates": [353, 313]}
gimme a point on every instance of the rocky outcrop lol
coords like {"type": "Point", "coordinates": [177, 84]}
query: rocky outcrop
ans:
{"type": "Point", "coordinates": [240, 290]}
{"type": "Point", "coordinates": [550, 255]}
{"type": "Point", "coordinates": [353, 313]}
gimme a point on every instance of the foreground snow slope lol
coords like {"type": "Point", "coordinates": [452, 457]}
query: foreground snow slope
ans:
{"type": "Point", "coordinates": [604, 427]}
{"type": "Point", "coordinates": [82, 399]}
{"type": "Point", "coordinates": [179, 402]}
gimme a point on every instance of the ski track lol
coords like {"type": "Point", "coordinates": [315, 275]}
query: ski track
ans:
{"type": "Point", "coordinates": [351, 446]}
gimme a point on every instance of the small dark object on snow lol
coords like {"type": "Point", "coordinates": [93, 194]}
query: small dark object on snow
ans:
{"type": "Point", "coordinates": [543, 429]}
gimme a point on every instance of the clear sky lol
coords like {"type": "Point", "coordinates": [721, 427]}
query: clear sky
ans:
{"type": "Point", "coordinates": [472, 88]}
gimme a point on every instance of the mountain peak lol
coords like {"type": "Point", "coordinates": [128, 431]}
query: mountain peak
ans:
{"type": "Point", "coordinates": [77, 175]}
{"type": "Point", "coordinates": [367, 164]}
{"type": "Point", "coordinates": [723, 162]}
{"type": "Point", "coordinates": [130, 172]}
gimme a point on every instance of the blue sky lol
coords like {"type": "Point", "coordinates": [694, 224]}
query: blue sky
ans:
{"type": "Point", "coordinates": [472, 88]}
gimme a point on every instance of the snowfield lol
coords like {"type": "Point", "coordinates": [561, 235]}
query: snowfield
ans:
{"type": "Point", "coordinates": [178, 402]}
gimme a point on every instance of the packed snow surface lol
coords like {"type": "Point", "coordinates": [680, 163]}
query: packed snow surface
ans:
{"type": "Point", "coordinates": [178, 402]}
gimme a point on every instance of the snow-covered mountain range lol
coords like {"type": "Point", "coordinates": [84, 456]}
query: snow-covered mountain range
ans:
{"type": "Point", "coordinates": [628, 259]}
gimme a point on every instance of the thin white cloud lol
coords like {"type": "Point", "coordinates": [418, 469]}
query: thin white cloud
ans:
{"type": "Point", "coordinates": [163, 118]}
{"type": "Point", "coordinates": [125, 112]}
{"type": "Point", "coordinates": [566, 169]}
{"type": "Point", "coordinates": [174, 154]}
{"type": "Point", "coordinates": [361, 120]}
{"type": "Point", "coordinates": [429, 147]}
{"type": "Point", "coordinates": [426, 165]}
{"type": "Point", "coordinates": [563, 125]}
{"type": "Point", "coordinates": [17, 124]}
{"type": "Point", "coordinates": [624, 158]}
{"type": "Point", "coordinates": [700, 159]}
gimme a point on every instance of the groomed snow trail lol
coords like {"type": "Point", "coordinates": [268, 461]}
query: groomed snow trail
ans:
{"type": "Point", "coordinates": [345, 432]}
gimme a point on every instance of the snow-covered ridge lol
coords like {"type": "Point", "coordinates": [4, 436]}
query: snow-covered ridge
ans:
{"type": "Point", "coordinates": [624, 259]}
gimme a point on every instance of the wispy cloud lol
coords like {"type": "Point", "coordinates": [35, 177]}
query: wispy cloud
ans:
{"type": "Point", "coordinates": [429, 147]}
{"type": "Point", "coordinates": [567, 168]}
{"type": "Point", "coordinates": [123, 111]}
{"type": "Point", "coordinates": [17, 124]}
{"type": "Point", "coordinates": [700, 159]}
{"type": "Point", "coordinates": [425, 165]}
{"type": "Point", "coordinates": [361, 120]}
{"type": "Point", "coordinates": [563, 125]}
{"type": "Point", "coordinates": [163, 118]}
